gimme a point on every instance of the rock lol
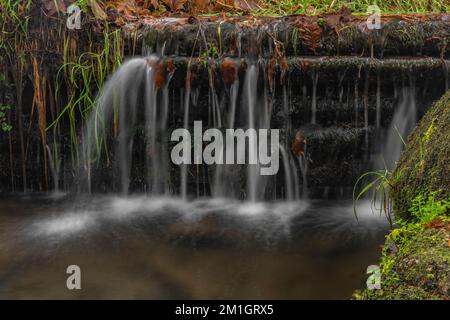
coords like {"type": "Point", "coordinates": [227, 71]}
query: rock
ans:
{"type": "Point", "coordinates": [420, 270]}
{"type": "Point", "coordinates": [424, 166]}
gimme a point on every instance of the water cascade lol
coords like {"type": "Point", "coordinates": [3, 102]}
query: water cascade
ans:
{"type": "Point", "coordinates": [127, 134]}
{"type": "Point", "coordinates": [315, 79]}
{"type": "Point", "coordinates": [132, 93]}
{"type": "Point", "coordinates": [184, 167]}
{"type": "Point", "coordinates": [250, 95]}
{"type": "Point", "coordinates": [54, 168]}
{"type": "Point", "coordinates": [402, 123]}
{"type": "Point", "coordinates": [289, 189]}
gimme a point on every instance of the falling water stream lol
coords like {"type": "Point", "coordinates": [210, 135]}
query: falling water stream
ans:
{"type": "Point", "coordinates": [402, 123]}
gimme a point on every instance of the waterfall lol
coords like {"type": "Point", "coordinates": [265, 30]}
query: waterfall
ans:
{"type": "Point", "coordinates": [214, 100]}
{"type": "Point", "coordinates": [340, 88]}
{"type": "Point", "coordinates": [118, 94]}
{"type": "Point", "coordinates": [403, 121]}
{"type": "Point", "coordinates": [287, 119]}
{"type": "Point", "coordinates": [120, 102]}
{"type": "Point", "coordinates": [315, 79]}
{"type": "Point", "coordinates": [299, 150]}
{"type": "Point", "coordinates": [378, 106]}
{"type": "Point", "coordinates": [234, 90]}
{"type": "Point", "coordinates": [294, 174]}
{"type": "Point", "coordinates": [224, 174]}
{"type": "Point", "coordinates": [250, 93]}
{"type": "Point", "coordinates": [366, 115]}
{"type": "Point", "coordinates": [150, 128]}
{"type": "Point", "coordinates": [187, 97]}
{"type": "Point", "coordinates": [156, 113]}
{"type": "Point", "coordinates": [54, 167]}
{"type": "Point", "coordinates": [356, 95]}
{"type": "Point", "coordinates": [303, 163]}
{"type": "Point", "coordinates": [128, 126]}
{"type": "Point", "coordinates": [287, 174]}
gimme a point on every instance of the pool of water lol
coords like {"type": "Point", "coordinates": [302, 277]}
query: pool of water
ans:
{"type": "Point", "coordinates": [140, 247]}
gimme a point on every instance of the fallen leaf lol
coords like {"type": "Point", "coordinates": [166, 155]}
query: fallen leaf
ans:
{"type": "Point", "coordinates": [435, 224]}
{"type": "Point", "coordinates": [199, 6]}
{"type": "Point", "coordinates": [309, 30]}
{"type": "Point", "coordinates": [160, 75]}
{"type": "Point", "coordinates": [174, 5]}
{"type": "Point", "coordinates": [148, 4]}
{"type": "Point", "coordinates": [229, 71]}
{"type": "Point", "coordinates": [97, 10]}
{"type": "Point", "coordinates": [298, 146]}
{"type": "Point", "coordinates": [120, 21]}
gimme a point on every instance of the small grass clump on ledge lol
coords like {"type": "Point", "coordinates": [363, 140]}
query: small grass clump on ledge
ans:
{"type": "Point", "coordinates": [289, 7]}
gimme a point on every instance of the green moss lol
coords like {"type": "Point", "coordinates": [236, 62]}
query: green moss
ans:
{"type": "Point", "coordinates": [424, 166]}
{"type": "Point", "coordinates": [420, 269]}
{"type": "Point", "coordinates": [430, 131]}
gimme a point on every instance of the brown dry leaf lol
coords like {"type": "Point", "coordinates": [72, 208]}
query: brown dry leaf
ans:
{"type": "Point", "coordinates": [436, 224]}
{"type": "Point", "coordinates": [199, 6]}
{"type": "Point", "coordinates": [53, 6]}
{"type": "Point", "coordinates": [97, 10]}
{"type": "Point", "coordinates": [163, 72]}
{"type": "Point", "coordinates": [339, 19]}
{"type": "Point", "coordinates": [229, 71]}
{"type": "Point", "coordinates": [154, 4]}
{"type": "Point", "coordinates": [309, 29]}
{"type": "Point", "coordinates": [298, 146]}
{"type": "Point", "coordinates": [174, 5]}
{"type": "Point", "coordinates": [271, 71]}
{"type": "Point", "coordinates": [148, 4]}
{"type": "Point", "coordinates": [223, 5]}
{"type": "Point", "coordinates": [306, 66]}
{"type": "Point", "coordinates": [188, 81]}
{"type": "Point", "coordinates": [246, 5]}
{"type": "Point", "coordinates": [236, 5]}
{"type": "Point", "coordinates": [120, 21]}
{"type": "Point", "coordinates": [128, 10]}
{"type": "Point", "coordinates": [170, 67]}
{"type": "Point", "coordinates": [160, 75]}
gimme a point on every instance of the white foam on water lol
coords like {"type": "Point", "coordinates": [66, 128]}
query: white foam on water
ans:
{"type": "Point", "coordinates": [68, 224]}
{"type": "Point", "coordinates": [267, 216]}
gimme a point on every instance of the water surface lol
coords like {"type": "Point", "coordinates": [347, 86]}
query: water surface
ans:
{"type": "Point", "coordinates": [164, 248]}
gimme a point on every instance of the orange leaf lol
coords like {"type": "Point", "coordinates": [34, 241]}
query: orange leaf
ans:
{"type": "Point", "coordinates": [229, 71]}
{"type": "Point", "coordinates": [174, 5]}
{"type": "Point", "coordinates": [298, 146]}
{"type": "Point", "coordinates": [160, 75]}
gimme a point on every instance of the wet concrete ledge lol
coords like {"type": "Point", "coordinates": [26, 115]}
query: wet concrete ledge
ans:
{"type": "Point", "coordinates": [331, 69]}
{"type": "Point", "coordinates": [329, 34]}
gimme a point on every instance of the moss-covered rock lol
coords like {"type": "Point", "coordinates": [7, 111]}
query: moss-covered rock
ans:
{"type": "Point", "coordinates": [415, 261]}
{"type": "Point", "coordinates": [420, 269]}
{"type": "Point", "coordinates": [424, 165]}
